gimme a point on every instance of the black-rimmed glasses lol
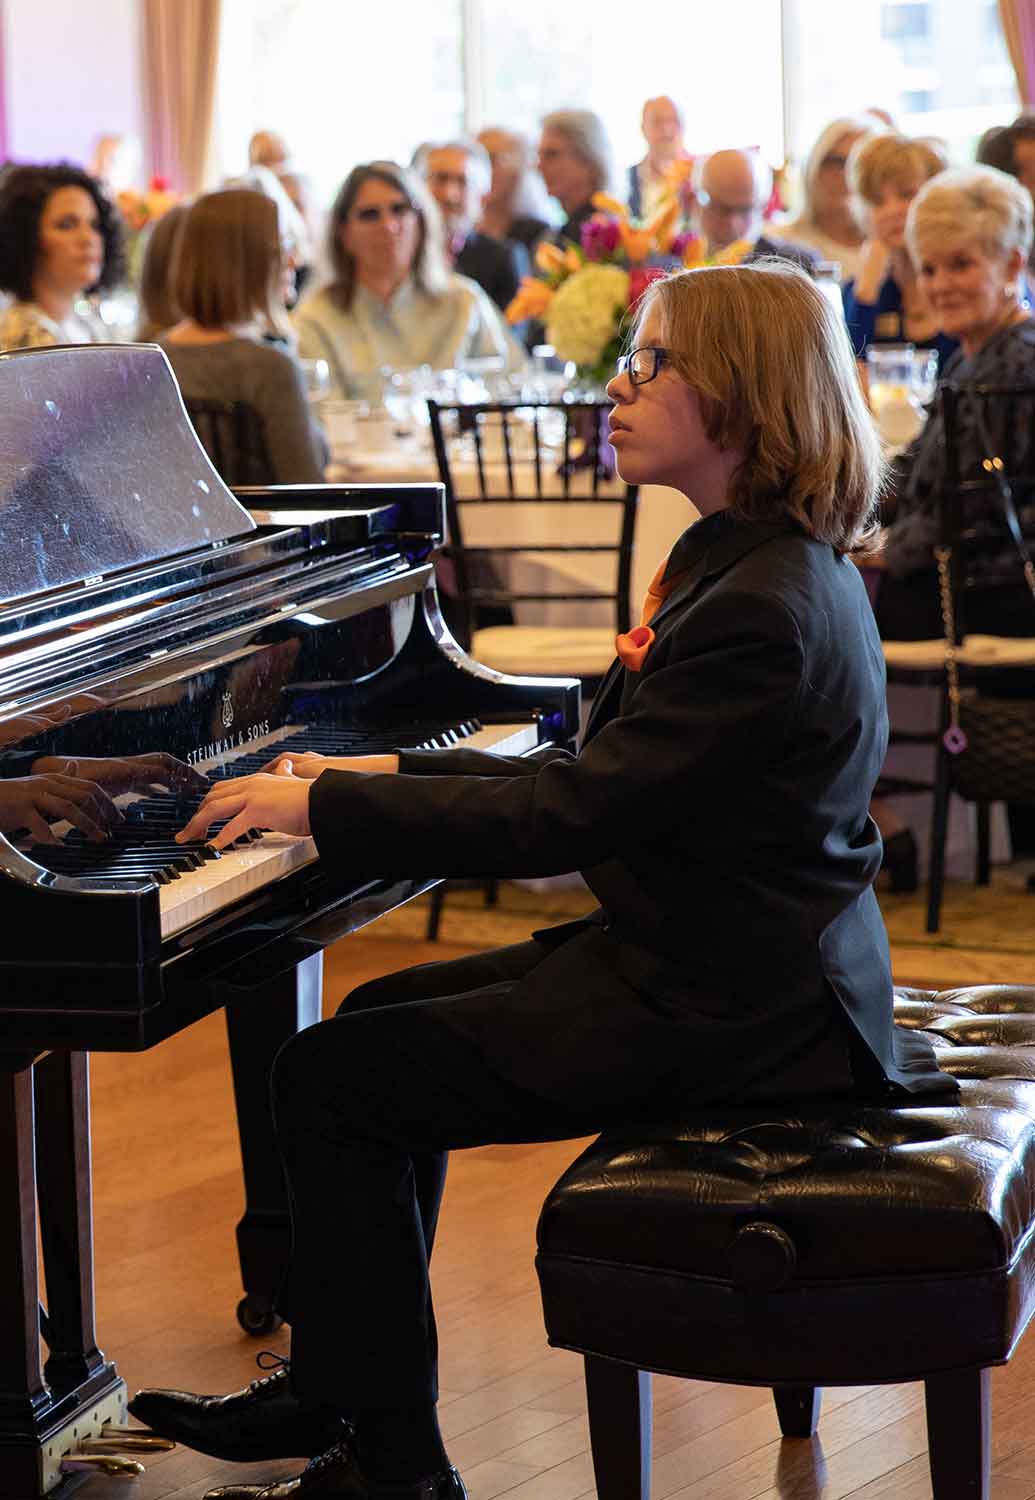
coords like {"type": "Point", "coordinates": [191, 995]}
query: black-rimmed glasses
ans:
{"type": "Point", "coordinates": [643, 364]}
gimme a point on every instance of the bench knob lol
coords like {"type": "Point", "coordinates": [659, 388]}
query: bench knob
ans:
{"type": "Point", "coordinates": [762, 1258]}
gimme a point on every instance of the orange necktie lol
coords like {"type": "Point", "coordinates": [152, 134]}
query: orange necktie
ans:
{"type": "Point", "coordinates": [632, 645]}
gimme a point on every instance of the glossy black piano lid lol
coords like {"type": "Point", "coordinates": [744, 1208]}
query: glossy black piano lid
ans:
{"type": "Point", "coordinates": [100, 469]}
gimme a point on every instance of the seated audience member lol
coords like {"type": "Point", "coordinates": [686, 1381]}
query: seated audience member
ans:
{"type": "Point", "coordinates": [733, 188]}
{"type": "Point", "coordinates": [574, 163]}
{"type": "Point", "coordinates": [721, 791]}
{"type": "Point", "coordinates": [228, 283]}
{"type": "Point", "coordinates": [269, 150]}
{"type": "Point", "coordinates": [459, 174]}
{"type": "Point", "coordinates": [970, 232]}
{"type": "Point", "coordinates": [828, 222]}
{"type": "Point", "coordinates": [516, 207]}
{"type": "Point", "coordinates": [295, 243]}
{"type": "Point", "coordinates": [885, 304]}
{"type": "Point", "coordinates": [662, 127]}
{"type": "Point", "coordinates": [157, 310]}
{"type": "Point", "coordinates": [392, 302]}
{"type": "Point", "coordinates": [1011, 148]}
{"type": "Point", "coordinates": [60, 241]}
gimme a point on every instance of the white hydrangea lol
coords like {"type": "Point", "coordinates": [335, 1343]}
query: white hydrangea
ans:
{"type": "Point", "coordinates": [585, 312]}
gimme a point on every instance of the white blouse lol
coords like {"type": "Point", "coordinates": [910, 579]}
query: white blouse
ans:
{"type": "Point", "coordinates": [24, 325]}
{"type": "Point", "coordinates": [411, 329]}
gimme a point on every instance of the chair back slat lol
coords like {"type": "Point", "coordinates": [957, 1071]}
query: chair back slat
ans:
{"type": "Point", "coordinates": [233, 436]}
{"type": "Point", "coordinates": [572, 473]}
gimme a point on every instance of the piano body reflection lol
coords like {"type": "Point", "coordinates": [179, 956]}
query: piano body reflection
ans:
{"type": "Point", "coordinates": [144, 607]}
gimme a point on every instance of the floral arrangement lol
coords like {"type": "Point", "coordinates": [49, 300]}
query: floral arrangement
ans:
{"type": "Point", "coordinates": [141, 209]}
{"type": "Point", "coordinates": [584, 293]}
{"type": "Point", "coordinates": [139, 212]}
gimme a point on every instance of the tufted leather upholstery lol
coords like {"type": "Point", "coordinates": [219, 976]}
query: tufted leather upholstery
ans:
{"type": "Point", "coordinates": [849, 1244]}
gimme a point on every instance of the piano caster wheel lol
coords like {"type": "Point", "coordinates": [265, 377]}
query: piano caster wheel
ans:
{"type": "Point", "coordinates": [256, 1316]}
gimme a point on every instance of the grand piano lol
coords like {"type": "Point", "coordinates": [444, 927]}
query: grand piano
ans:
{"type": "Point", "coordinates": [143, 608]}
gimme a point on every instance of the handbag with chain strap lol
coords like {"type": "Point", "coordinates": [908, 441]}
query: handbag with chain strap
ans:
{"type": "Point", "coordinates": [990, 740]}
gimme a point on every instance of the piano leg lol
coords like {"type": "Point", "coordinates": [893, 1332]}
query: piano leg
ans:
{"type": "Point", "coordinates": [63, 1142]}
{"type": "Point", "coordinates": [40, 1423]}
{"type": "Point", "coordinates": [259, 1021]}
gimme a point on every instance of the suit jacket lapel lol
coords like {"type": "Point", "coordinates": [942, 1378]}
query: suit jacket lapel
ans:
{"type": "Point", "coordinates": [727, 549]}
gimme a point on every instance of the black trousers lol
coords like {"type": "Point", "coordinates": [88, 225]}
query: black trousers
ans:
{"type": "Point", "coordinates": [367, 1107]}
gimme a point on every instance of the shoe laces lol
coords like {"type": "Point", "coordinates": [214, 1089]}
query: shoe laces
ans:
{"type": "Point", "coordinates": [276, 1364]}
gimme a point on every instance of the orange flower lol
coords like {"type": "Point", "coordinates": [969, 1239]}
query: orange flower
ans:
{"type": "Point", "coordinates": [609, 205]}
{"type": "Point", "coordinates": [679, 172]}
{"type": "Point", "coordinates": [733, 254]}
{"type": "Point", "coordinates": [662, 226]}
{"type": "Point", "coordinates": [573, 261]}
{"type": "Point", "coordinates": [693, 252]}
{"type": "Point", "coordinates": [531, 301]}
{"type": "Point", "coordinates": [637, 243]}
{"type": "Point", "coordinates": [548, 258]}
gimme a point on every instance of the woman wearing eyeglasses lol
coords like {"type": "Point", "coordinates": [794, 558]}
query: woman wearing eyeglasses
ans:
{"type": "Point", "coordinates": [392, 302]}
{"type": "Point", "coordinates": [718, 810]}
{"type": "Point", "coordinates": [828, 222]}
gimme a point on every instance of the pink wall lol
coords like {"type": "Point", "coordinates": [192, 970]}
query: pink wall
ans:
{"type": "Point", "coordinates": [71, 73]}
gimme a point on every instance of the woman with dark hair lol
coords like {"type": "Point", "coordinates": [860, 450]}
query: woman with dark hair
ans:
{"type": "Point", "coordinates": [718, 808]}
{"type": "Point", "coordinates": [229, 278]}
{"type": "Point", "coordinates": [60, 241]}
{"type": "Point", "coordinates": [391, 300]}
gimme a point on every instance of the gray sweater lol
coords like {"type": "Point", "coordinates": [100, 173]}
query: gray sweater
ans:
{"type": "Point", "coordinates": [270, 381]}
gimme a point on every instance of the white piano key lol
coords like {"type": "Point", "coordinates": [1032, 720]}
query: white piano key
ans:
{"type": "Point", "coordinates": [238, 872]}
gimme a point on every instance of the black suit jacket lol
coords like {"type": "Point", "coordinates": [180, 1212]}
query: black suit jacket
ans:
{"type": "Point", "coordinates": [496, 265]}
{"type": "Point", "coordinates": [718, 810]}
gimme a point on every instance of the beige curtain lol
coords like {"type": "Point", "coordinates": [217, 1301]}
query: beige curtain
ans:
{"type": "Point", "coordinates": [1018, 18]}
{"type": "Point", "coordinates": [181, 50]}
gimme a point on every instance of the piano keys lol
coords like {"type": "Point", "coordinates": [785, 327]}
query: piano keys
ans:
{"type": "Point", "coordinates": [143, 607]}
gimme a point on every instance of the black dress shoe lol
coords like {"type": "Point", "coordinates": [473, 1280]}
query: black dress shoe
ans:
{"type": "Point", "coordinates": [337, 1476]}
{"type": "Point", "coordinates": [264, 1420]}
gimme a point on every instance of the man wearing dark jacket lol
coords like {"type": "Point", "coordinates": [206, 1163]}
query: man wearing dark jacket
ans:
{"type": "Point", "coordinates": [458, 174]}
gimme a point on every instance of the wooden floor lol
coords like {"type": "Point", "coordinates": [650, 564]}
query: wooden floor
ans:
{"type": "Point", "coordinates": [168, 1194]}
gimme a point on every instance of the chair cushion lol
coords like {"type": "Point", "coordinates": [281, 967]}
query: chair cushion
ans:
{"type": "Point", "coordinates": [918, 1215]}
{"type": "Point", "coordinates": [975, 651]}
{"type": "Point", "coordinates": [545, 651]}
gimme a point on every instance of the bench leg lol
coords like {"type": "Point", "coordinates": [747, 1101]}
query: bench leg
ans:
{"type": "Point", "coordinates": [797, 1406]}
{"type": "Point", "coordinates": [619, 1401]}
{"type": "Point", "coordinates": [959, 1434]}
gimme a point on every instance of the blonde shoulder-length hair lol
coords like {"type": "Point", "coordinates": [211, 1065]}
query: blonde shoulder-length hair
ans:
{"type": "Point", "coordinates": [772, 366]}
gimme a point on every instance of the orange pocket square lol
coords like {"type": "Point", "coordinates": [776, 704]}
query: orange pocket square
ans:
{"type": "Point", "coordinates": [633, 645]}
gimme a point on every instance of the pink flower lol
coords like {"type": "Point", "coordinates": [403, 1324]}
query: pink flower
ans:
{"type": "Point", "coordinates": [600, 237]}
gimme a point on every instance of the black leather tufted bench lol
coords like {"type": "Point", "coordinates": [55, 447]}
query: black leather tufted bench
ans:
{"type": "Point", "coordinates": [861, 1245]}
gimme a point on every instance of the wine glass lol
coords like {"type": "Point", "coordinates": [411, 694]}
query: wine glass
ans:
{"type": "Point", "coordinates": [317, 373]}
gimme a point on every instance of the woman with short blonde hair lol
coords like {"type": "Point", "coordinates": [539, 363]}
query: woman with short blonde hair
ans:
{"type": "Point", "coordinates": [228, 285]}
{"type": "Point", "coordinates": [970, 233]}
{"type": "Point", "coordinates": [883, 303]}
{"type": "Point", "coordinates": [390, 300]}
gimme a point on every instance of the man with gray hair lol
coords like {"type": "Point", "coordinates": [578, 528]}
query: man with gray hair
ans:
{"type": "Point", "coordinates": [733, 188]}
{"type": "Point", "coordinates": [575, 163]}
{"type": "Point", "coordinates": [458, 174]}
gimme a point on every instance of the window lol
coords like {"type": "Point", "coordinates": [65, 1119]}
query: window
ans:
{"type": "Point", "coordinates": [939, 67]}
{"type": "Point", "coordinates": [342, 83]}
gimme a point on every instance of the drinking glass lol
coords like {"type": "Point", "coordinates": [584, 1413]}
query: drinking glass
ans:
{"type": "Point", "coordinates": [897, 411]}
{"type": "Point", "coordinates": [317, 373]}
